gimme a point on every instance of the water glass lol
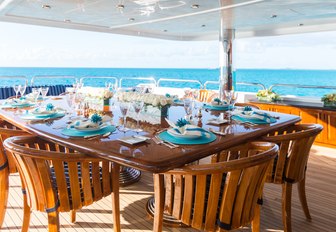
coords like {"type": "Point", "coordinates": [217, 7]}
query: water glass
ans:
{"type": "Point", "coordinates": [36, 93]}
{"type": "Point", "coordinates": [188, 106]}
{"type": "Point", "coordinates": [16, 89]}
{"type": "Point", "coordinates": [44, 91]}
{"type": "Point", "coordinates": [22, 90]}
{"type": "Point", "coordinates": [124, 107]}
{"type": "Point", "coordinates": [137, 106]}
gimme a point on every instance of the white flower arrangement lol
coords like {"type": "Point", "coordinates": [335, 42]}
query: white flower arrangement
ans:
{"type": "Point", "coordinates": [94, 92]}
{"type": "Point", "coordinates": [148, 98]}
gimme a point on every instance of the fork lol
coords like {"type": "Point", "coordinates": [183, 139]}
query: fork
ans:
{"type": "Point", "coordinates": [157, 140]}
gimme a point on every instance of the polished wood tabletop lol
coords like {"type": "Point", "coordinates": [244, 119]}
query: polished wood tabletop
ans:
{"type": "Point", "coordinates": [147, 155]}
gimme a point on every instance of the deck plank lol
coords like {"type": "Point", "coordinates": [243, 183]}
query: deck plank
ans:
{"type": "Point", "coordinates": [320, 188]}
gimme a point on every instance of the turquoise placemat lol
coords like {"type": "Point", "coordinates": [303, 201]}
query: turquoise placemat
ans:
{"type": "Point", "coordinates": [211, 107]}
{"type": "Point", "coordinates": [37, 117]}
{"type": "Point", "coordinates": [252, 120]}
{"type": "Point", "coordinates": [183, 141]}
{"type": "Point", "coordinates": [77, 133]}
{"type": "Point", "coordinates": [10, 106]}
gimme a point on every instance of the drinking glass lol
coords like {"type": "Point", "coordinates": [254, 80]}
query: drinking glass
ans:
{"type": "Point", "coordinates": [44, 91]}
{"type": "Point", "coordinates": [188, 107]}
{"type": "Point", "coordinates": [16, 90]}
{"type": "Point", "coordinates": [137, 106]}
{"type": "Point", "coordinates": [22, 90]}
{"type": "Point", "coordinates": [36, 93]}
{"type": "Point", "coordinates": [124, 106]}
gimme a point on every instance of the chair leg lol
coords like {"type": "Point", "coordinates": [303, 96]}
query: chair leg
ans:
{"type": "Point", "coordinates": [256, 219]}
{"type": "Point", "coordinates": [53, 222]}
{"type": "Point", "coordinates": [3, 194]}
{"type": "Point", "coordinates": [115, 197]}
{"type": "Point", "coordinates": [26, 214]}
{"type": "Point", "coordinates": [73, 216]}
{"type": "Point", "coordinates": [159, 202]}
{"type": "Point", "coordinates": [286, 206]}
{"type": "Point", "coordinates": [303, 198]}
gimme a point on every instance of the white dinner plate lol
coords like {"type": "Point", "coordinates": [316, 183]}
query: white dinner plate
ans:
{"type": "Point", "coordinates": [172, 132]}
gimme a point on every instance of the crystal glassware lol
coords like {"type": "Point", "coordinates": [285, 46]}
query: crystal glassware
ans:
{"type": "Point", "coordinates": [16, 89]}
{"type": "Point", "coordinates": [137, 106]}
{"type": "Point", "coordinates": [36, 93]}
{"type": "Point", "coordinates": [188, 107]}
{"type": "Point", "coordinates": [44, 91]}
{"type": "Point", "coordinates": [22, 90]}
{"type": "Point", "coordinates": [124, 106]}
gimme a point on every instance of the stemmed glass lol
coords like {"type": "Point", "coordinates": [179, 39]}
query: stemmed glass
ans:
{"type": "Point", "coordinates": [188, 107]}
{"type": "Point", "coordinates": [22, 90]}
{"type": "Point", "coordinates": [44, 91]}
{"type": "Point", "coordinates": [16, 90]}
{"type": "Point", "coordinates": [230, 98]}
{"type": "Point", "coordinates": [137, 106]}
{"type": "Point", "coordinates": [36, 93]}
{"type": "Point", "coordinates": [124, 106]}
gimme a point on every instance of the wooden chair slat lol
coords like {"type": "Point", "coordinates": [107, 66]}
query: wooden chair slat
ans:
{"type": "Point", "coordinates": [106, 178]}
{"type": "Point", "coordinates": [74, 185]}
{"type": "Point", "coordinates": [187, 200]}
{"type": "Point", "coordinates": [96, 182]}
{"type": "Point", "coordinates": [213, 201]}
{"type": "Point", "coordinates": [62, 186]}
{"type": "Point", "coordinates": [178, 194]}
{"type": "Point", "coordinates": [197, 220]}
{"type": "Point", "coordinates": [169, 194]}
{"type": "Point", "coordinates": [86, 184]}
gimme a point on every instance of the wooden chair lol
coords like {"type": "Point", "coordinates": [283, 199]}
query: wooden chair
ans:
{"type": "Point", "coordinates": [7, 164]}
{"type": "Point", "coordinates": [58, 179]}
{"type": "Point", "coordinates": [206, 95]}
{"type": "Point", "coordinates": [217, 196]}
{"type": "Point", "coordinates": [291, 163]}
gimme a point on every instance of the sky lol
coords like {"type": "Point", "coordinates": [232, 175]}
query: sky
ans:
{"type": "Point", "coordinates": [37, 46]}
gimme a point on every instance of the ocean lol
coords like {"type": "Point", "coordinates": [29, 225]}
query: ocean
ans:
{"type": "Point", "coordinates": [267, 77]}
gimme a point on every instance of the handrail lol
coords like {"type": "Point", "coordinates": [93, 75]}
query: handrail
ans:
{"type": "Point", "coordinates": [50, 76]}
{"type": "Point", "coordinates": [101, 77]}
{"type": "Point", "coordinates": [237, 83]}
{"type": "Point", "coordinates": [179, 80]}
{"type": "Point", "coordinates": [210, 82]}
{"type": "Point", "coordinates": [151, 79]}
{"type": "Point", "coordinates": [302, 86]}
{"type": "Point", "coordinates": [17, 77]}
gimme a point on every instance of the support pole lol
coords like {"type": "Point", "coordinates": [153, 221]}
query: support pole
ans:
{"type": "Point", "coordinates": [226, 38]}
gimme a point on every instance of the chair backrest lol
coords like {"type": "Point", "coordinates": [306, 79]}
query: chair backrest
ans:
{"type": "Point", "coordinates": [8, 130]}
{"type": "Point", "coordinates": [55, 176]}
{"type": "Point", "coordinates": [294, 147]}
{"type": "Point", "coordinates": [219, 195]}
{"type": "Point", "coordinates": [206, 95]}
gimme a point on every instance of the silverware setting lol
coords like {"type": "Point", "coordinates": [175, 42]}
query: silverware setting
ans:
{"type": "Point", "coordinates": [89, 137]}
{"type": "Point", "coordinates": [158, 141]}
{"type": "Point", "coordinates": [217, 132]}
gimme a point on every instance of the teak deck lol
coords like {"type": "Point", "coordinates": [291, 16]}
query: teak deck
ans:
{"type": "Point", "coordinates": [320, 188]}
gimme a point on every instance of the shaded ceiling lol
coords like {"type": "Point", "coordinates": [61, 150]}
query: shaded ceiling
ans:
{"type": "Point", "coordinates": [176, 19]}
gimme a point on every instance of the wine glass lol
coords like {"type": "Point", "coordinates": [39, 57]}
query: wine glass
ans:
{"type": "Point", "coordinates": [124, 106]}
{"type": "Point", "coordinates": [16, 89]}
{"type": "Point", "coordinates": [44, 91]}
{"type": "Point", "coordinates": [22, 90]}
{"type": "Point", "coordinates": [137, 106]}
{"type": "Point", "coordinates": [36, 93]}
{"type": "Point", "coordinates": [188, 107]}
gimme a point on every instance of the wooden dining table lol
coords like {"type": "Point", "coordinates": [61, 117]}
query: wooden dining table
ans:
{"type": "Point", "coordinates": [148, 155]}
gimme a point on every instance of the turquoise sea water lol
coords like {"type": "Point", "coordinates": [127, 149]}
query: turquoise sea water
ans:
{"type": "Point", "coordinates": [265, 76]}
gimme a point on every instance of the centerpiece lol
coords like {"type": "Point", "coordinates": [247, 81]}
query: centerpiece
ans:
{"type": "Point", "coordinates": [155, 106]}
{"type": "Point", "coordinates": [268, 95]}
{"type": "Point", "coordinates": [97, 98]}
{"type": "Point", "coordinates": [329, 100]}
